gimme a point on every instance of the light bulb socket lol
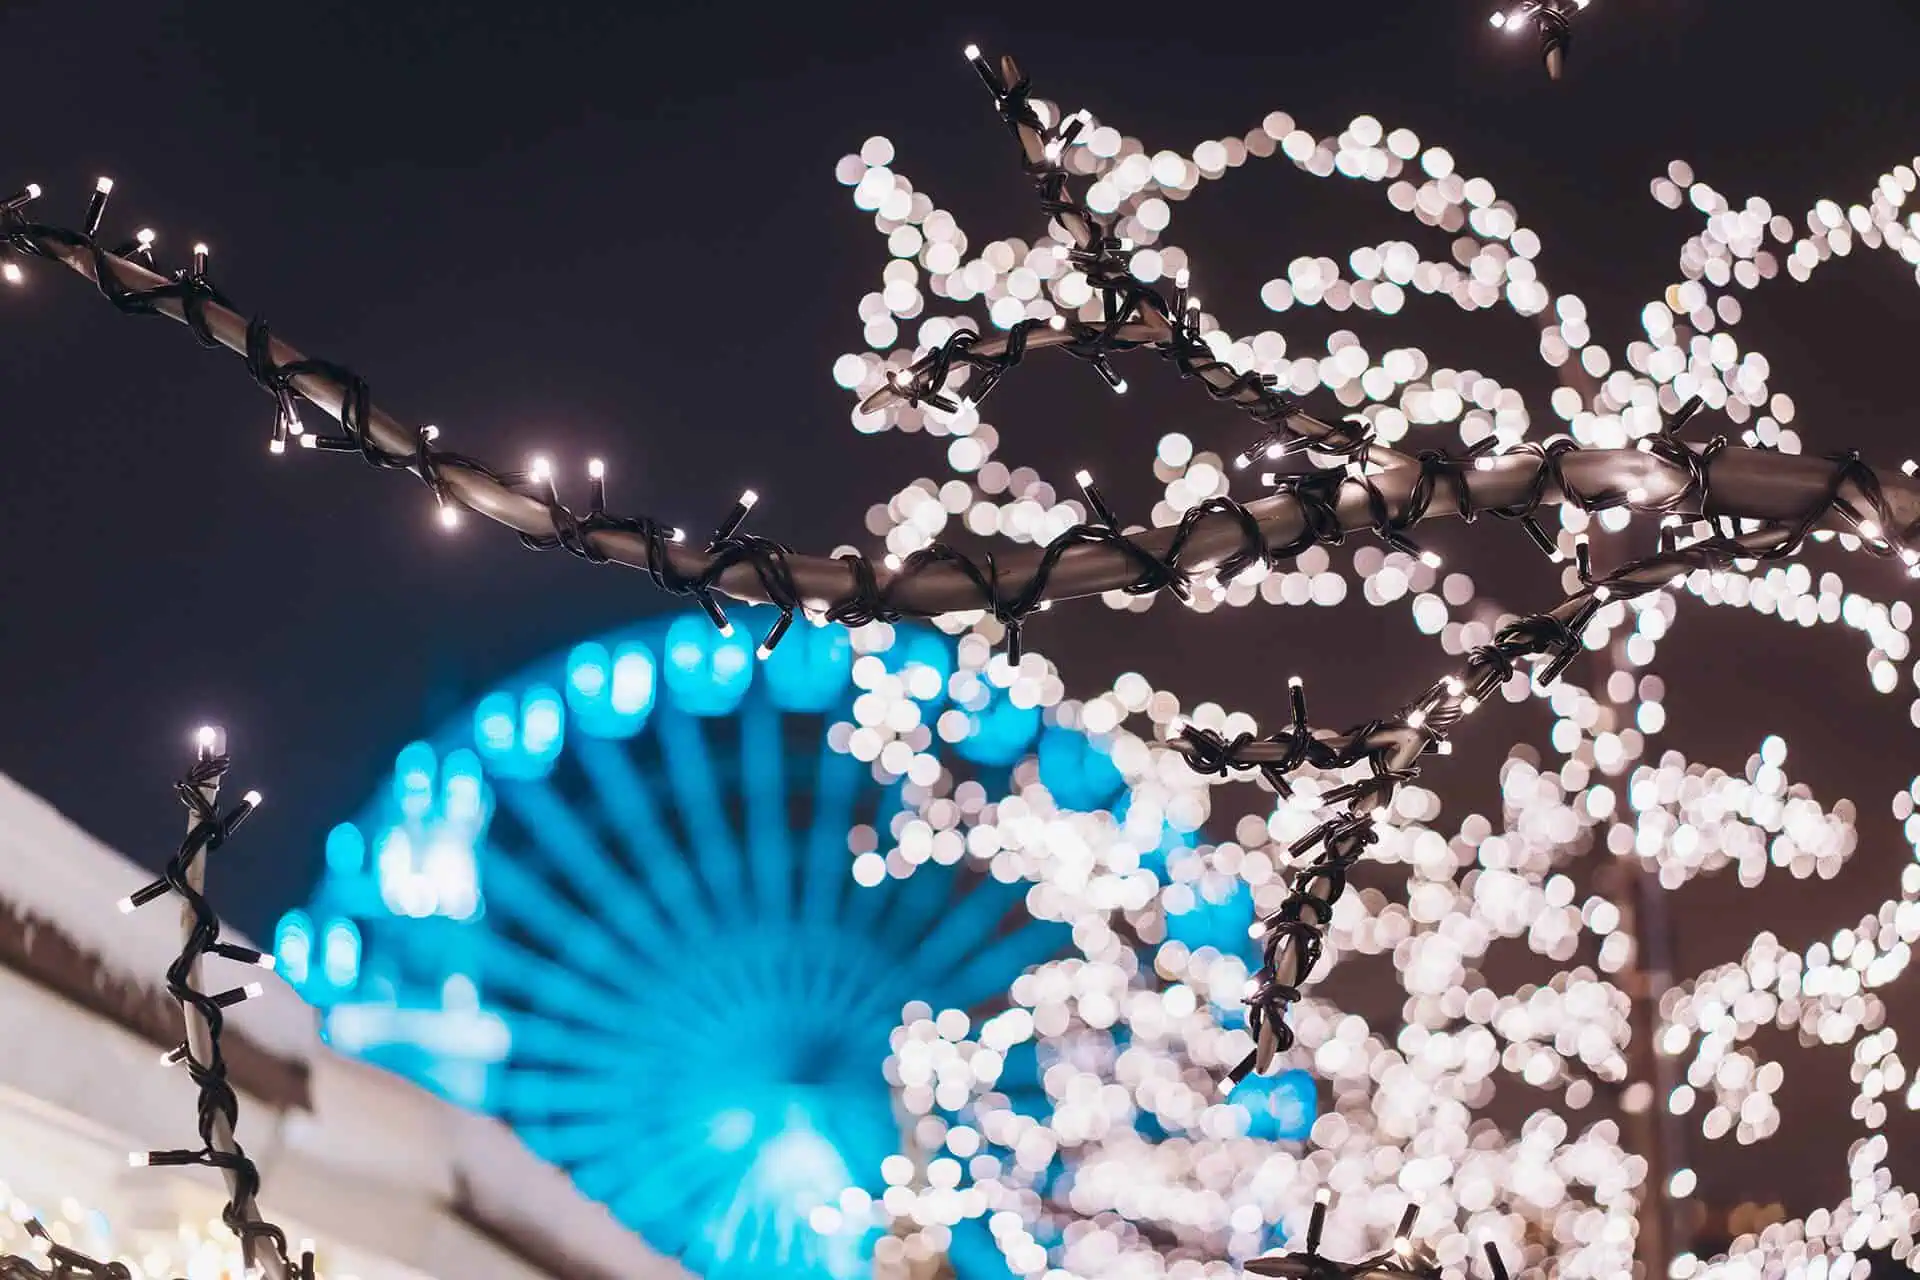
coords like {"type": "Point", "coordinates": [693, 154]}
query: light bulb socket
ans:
{"type": "Point", "coordinates": [775, 633]}
{"type": "Point", "coordinates": [96, 208]}
{"type": "Point", "coordinates": [715, 614]}
{"type": "Point", "coordinates": [237, 995]}
{"type": "Point", "coordinates": [735, 517]}
{"type": "Point", "coordinates": [152, 891]}
{"type": "Point", "coordinates": [1098, 502]}
{"type": "Point", "coordinates": [984, 69]}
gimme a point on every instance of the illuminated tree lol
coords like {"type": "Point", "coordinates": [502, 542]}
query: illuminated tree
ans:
{"type": "Point", "coordinates": [1140, 1161]}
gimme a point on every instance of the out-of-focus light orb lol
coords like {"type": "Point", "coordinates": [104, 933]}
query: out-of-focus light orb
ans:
{"type": "Point", "coordinates": [707, 671]}
{"type": "Point", "coordinates": [1280, 1108]}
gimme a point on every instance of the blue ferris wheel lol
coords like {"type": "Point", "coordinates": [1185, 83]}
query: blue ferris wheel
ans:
{"type": "Point", "coordinates": [615, 903]}
{"type": "Point", "coordinates": [619, 902]}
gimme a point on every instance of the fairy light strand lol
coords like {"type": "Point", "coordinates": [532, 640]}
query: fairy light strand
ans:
{"type": "Point", "coordinates": [1743, 484]}
{"type": "Point", "coordinates": [263, 1245]}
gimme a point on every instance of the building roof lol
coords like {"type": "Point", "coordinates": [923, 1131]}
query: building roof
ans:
{"type": "Point", "coordinates": [344, 1147]}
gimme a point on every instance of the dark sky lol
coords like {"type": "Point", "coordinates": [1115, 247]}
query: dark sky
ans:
{"type": "Point", "coordinates": [614, 229]}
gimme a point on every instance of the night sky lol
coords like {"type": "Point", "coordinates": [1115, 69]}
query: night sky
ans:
{"type": "Point", "coordinates": [615, 230]}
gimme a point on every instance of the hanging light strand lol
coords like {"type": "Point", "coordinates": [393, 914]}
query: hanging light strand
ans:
{"type": "Point", "coordinates": [1307, 509]}
{"type": "Point", "coordinates": [1293, 935]}
{"type": "Point", "coordinates": [1132, 314]}
{"type": "Point", "coordinates": [218, 1109]}
{"type": "Point", "coordinates": [263, 1245]}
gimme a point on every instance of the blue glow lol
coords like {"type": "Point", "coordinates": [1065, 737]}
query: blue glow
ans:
{"type": "Point", "coordinates": [609, 692]}
{"type": "Point", "coordinates": [542, 722]}
{"type": "Point", "coordinates": [393, 863]}
{"type": "Point", "coordinates": [524, 934]}
{"type": "Point", "coordinates": [463, 790]}
{"type": "Point", "coordinates": [293, 946]}
{"type": "Point", "coordinates": [413, 771]}
{"type": "Point", "coordinates": [589, 674]}
{"type": "Point", "coordinates": [1219, 917]}
{"type": "Point", "coordinates": [808, 670]}
{"type": "Point", "coordinates": [707, 672]}
{"type": "Point", "coordinates": [1002, 732]}
{"type": "Point", "coordinates": [340, 955]}
{"type": "Point", "coordinates": [929, 650]}
{"type": "Point", "coordinates": [494, 725]}
{"type": "Point", "coordinates": [1279, 1108]}
{"type": "Point", "coordinates": [633, 682]}
{"type": "Point", "coordinates": [451, 878]}
{"type": "Point", "coordinates": [1079, 773]}
{"type": "Point", "coordinates": [520, 737]}
{"type": "Point", "coordinates": [346, 850]}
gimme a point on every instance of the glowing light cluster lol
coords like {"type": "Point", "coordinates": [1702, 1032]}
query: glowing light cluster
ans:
{"type": "Point", "coordinates": [193, 1248]}
{"type": "Point", "coordinates": [1129, 1162]}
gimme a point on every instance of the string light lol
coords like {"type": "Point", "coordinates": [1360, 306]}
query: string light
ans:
{"type": "Point", "coordinates": [757, 569]}
{"type": "Point", "coordinates": [263, 1245]}
{"type": "Point", "coordinates": [1553, 19]}
{"type": "Point", "coordinates": [96, 207]}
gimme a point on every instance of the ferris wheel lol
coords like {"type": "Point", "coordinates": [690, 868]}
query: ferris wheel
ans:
{"type": "Point", "coordinates": [649, 901]}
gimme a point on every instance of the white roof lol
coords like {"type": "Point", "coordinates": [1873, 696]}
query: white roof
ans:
{"type": "Point", "coordinates": [383, 1164]}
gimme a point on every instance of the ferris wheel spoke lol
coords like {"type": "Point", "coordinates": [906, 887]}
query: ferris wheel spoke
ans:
{"type": "Point", "coordinates": [985, 976]}
{"type": "Point", "coordinates": [567, 1142]}
{"type": "Point", "coordinates": [541, 983]}
{"type": "Point", "coordinates": [591, 990]}
{"type": "Point", "coordinates": [699, 1213]}
{"type": "Point", "coordinates": [649, 842]}
{"type": "Point", "coordinates": [862, 908]}
{"type": "Point", "coordinates": [965, 922]}
{"type": "Point", "coordinates": [557, 1094]}
{"type": "Point", "coordinates": [676, 1172]}
{"type": "Point", "coordinates": [827, 857]}
{"type": "Point", "coordinates": [763, 754]}
{"type": "Point", "coordinates": [690, 772]}
{"type": "Point", "coordinates": [836, 973]}
{"type": "Point", "coordinates": [518, 971]}
{"type": "Point", "coordinates": [626, 1048]}
{"type": "Point", "coordinates": [520, 894]}
{"type": "Point", "coordinates": [573, 852]}
{"type": "Point", "coordinates": [540, 1041]}
{"type": "Point", "coordinates": [919, 903]}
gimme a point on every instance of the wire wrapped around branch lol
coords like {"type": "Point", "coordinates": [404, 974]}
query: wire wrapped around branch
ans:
{"type": "Point", "coordinates": [263, 1245]}
{"type": "Point", "coordinates": [63, 1263]}
{"type": "Point", "coordinates": [1133, 314]}
{"type": "Point", "coordinates": [1733, 483]}
{"type": "Point", "coordinates": [1294, 934]}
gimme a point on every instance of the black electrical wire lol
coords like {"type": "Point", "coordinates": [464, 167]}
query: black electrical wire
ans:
{"type": "Point", "coordinates": [1295, 932]}
{"type": "Point", "coordinates": [218, 1105]}
{"type": "Point", "coordinates": [1132, 313]}
{"type": "Point", "coordinates": [1733, 482]}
